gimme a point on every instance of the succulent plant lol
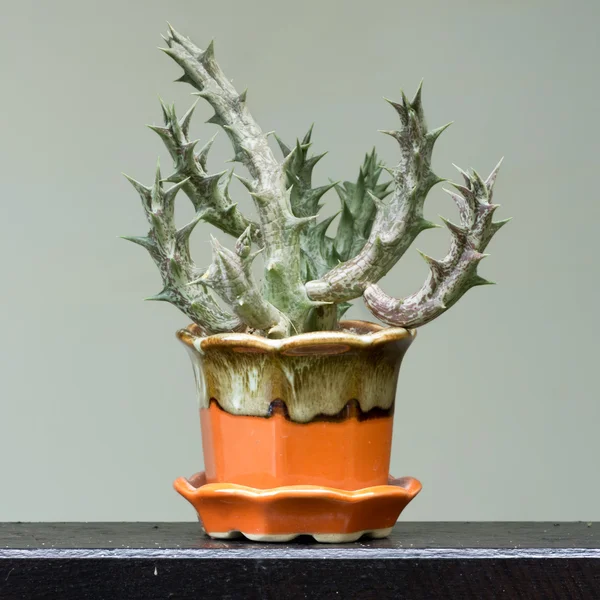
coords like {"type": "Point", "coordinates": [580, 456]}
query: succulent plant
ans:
{"type": "Point", "coordinates": [309, 276]}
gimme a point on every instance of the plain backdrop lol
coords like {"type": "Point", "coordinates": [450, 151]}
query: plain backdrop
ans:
{"type": "Point", "coordinates": [498, 407]}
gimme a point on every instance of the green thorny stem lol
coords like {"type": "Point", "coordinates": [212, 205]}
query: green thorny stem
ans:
{"type": "Point", "coordinates": [399, 218]}
{"type": "Point", "coordinates": [309, 276]}
{"type": "Point", "coordinates": [455, 274]}
{"type": "Point", "coordinates": [320, 253]}
{"type": "Point", "coordinates": [169, 247]}
{"type": "Point", "coordinates": [284, 286]}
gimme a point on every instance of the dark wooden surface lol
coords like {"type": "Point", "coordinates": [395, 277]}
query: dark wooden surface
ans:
{"type": "Point", "coordinates": [420, 560]}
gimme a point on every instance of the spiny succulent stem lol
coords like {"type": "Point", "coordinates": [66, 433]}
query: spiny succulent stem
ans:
{"type": "Point", "coordinates": [284, 286]}
{"type": "Point", "coordinates": [169, 248]}
{"type": "Point", "coordinates": [398, 220]}
{"type": "Point", "coordinates": [230, 276]}
{"type": "Point", "coordinates": [455, 274]}
{"type": "Point", "coordinates": [320, 252]}
{"type": "Point", "coordinates": [208, 193]}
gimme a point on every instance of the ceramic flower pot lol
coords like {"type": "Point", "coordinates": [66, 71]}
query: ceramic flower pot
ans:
{"type": "Point", "coordinates": [297, 433]}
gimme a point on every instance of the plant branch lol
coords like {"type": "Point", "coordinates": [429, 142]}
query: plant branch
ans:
{"type": "Point", "coordinates": [230, 276]}
{"type": "Point", "coordinates": [284, 287]}
{"type": "Point", "coordinates": [318, 254]}
{"type": "Point", "coordinates": [169, 248]}
{"type": "Point", "coordinates": [208, 193]}
{"type": "Point", "coordinates": [454, 275]}
{"type": "Point", "coordinates": [399, 218]}
{"type": "Point", "coordinates": [358, 209]}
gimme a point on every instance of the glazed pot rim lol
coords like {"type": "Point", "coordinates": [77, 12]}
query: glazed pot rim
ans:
{"type": "Point", "coordinates": [352, 334]}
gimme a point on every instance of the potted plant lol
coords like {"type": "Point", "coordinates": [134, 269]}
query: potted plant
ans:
{"type": "Point", "coordinates": [296, 404]}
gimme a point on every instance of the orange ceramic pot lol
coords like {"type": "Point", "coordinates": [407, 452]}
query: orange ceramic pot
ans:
{"type": "Point", "coordinates": [297, 433]}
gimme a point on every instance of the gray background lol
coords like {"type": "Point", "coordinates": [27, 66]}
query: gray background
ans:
{"type": "Point", "coordinates": [498, 405]}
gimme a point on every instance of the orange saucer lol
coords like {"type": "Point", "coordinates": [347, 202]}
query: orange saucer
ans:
{"type": "Point", "coordinates": [280, 514]}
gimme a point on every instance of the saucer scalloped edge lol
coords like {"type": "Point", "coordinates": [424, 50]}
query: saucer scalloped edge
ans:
{"type": "Point", "coordinates": [229, 510]}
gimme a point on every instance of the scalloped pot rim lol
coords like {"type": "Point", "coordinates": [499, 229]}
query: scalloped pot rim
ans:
{"type": "Point", "coordinates": [355, 334]}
